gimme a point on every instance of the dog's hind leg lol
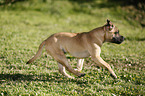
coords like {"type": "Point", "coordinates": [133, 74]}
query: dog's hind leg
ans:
{"type": "Point", "coordinates": [64, 62]}
{"type": "Point", "coordinates": [60, 57]}
{"type": "Point", "coordinates": [63, 72]}
{"type": "Point", "coordinates": [80, 64]}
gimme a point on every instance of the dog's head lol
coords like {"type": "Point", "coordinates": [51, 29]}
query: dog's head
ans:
{"type": "Point", "coordinates": [112, 33]}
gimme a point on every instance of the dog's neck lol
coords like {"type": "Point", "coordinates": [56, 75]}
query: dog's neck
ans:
{"type": "Point", "coordinates": [101, 37]}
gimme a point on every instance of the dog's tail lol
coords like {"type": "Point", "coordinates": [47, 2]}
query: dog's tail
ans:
{"type": "Point", "coordinates": [38, 52]}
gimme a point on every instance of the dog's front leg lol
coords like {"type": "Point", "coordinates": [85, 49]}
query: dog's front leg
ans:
{"type": "Point", "coordinates": [101, 62]}
{"type": "Point", "coordinates": [95, 54]}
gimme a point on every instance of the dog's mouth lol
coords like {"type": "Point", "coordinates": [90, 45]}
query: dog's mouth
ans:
{"type": "Point", "coordinates": [118, 40]}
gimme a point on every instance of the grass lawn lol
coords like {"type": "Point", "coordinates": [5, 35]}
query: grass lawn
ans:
{"type": "Point", "coordinates": [24, 25]}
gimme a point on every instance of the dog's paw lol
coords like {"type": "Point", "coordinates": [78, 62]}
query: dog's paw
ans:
{"type": "Point", "coordinates": [82, 75]}
{"type": "Point", "coordinates": [114, 77]}
{"type": "Point", "coordinates": [27, 62]}
{"type": "Point", "coordinates": [79, 70]}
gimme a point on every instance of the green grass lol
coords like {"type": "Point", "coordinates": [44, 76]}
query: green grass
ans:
{"type": "Point", "coordinates": [24, 25]}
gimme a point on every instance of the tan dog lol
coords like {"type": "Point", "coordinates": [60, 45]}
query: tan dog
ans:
{"type": "Point", "coordinates": [80, 45]}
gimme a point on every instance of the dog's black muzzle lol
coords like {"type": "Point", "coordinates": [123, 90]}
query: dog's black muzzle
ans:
{"type": "Point", "coordinates": [118, 40]}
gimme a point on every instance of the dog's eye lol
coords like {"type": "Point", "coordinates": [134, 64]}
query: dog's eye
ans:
{"type": "Point", "coordinates": [116, 32]}
{"type": "Point", "coordinates": [111, 26]}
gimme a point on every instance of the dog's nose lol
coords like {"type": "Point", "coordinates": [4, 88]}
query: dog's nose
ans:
{"type": "Point", "coordinates": [122, 38]}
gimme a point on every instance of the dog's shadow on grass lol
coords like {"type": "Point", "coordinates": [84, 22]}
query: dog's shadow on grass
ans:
{"type": "Point", "coordinates": [43, 77]}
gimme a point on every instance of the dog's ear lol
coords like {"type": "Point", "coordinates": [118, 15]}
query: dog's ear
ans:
{"type": "Point", "coordinates": [108, 22]}
{"type": "Point", "coordinates": [109, 25]}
